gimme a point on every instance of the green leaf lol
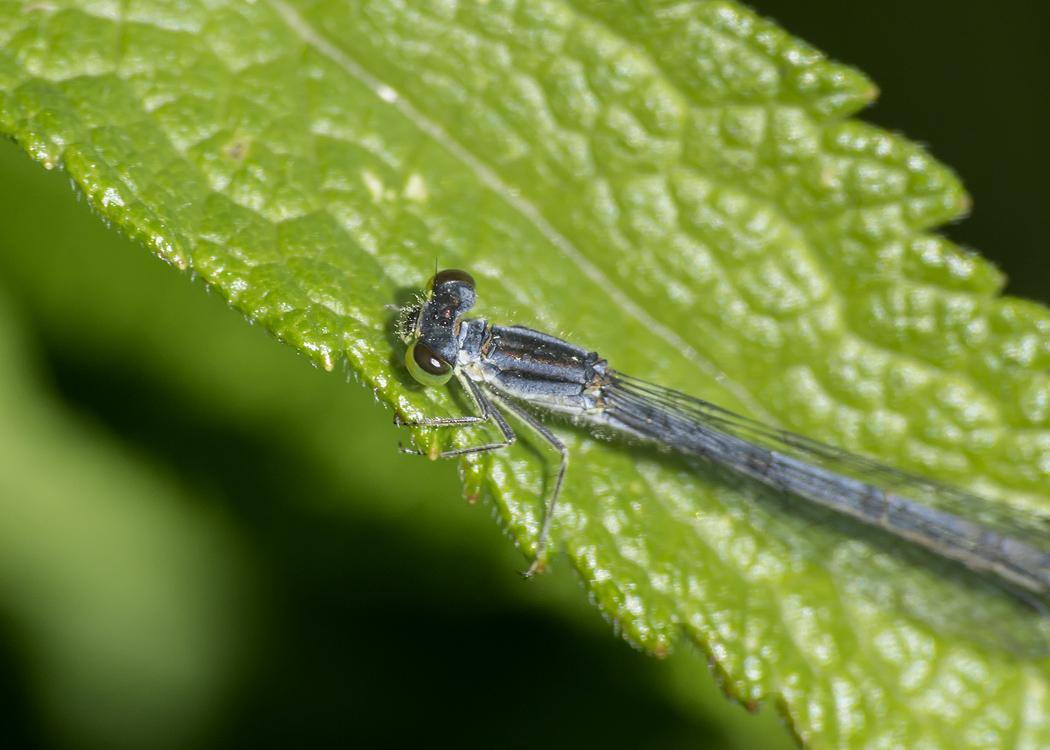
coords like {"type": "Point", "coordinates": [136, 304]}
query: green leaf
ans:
{"type": "Point", "coordinates": [672, 184]}
{"type": "Point", "coordinates": [336, 524]}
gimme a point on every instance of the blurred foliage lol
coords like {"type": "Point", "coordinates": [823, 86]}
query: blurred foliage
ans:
{"type": "Point", "coordinates": [246, 454]}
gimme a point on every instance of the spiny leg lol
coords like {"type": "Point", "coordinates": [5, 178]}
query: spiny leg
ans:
{"type": "Point", "coordinates": [487, 412]}
{"type": "Point", "coordinates": [548, 512]}
{"type": "Point", "coordinates": [481, 404]}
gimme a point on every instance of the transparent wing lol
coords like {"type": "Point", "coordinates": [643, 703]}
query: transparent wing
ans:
{"type": "Point", "coordinates": [827, 463]}
{"type": "Point", "coordinates": [983, 606]}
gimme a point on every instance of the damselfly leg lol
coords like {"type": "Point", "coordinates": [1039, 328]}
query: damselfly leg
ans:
{"type": "Point", "coordinates": [489, 411]}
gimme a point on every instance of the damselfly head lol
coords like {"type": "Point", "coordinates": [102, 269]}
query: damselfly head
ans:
{"type": "Point", "coordinates": [453, 289]}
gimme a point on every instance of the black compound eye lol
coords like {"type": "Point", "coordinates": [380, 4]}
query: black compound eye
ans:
{"type": "Point", "coordinates": [452, 275]}
{"type": "Point", "coordinates": [425, 366]}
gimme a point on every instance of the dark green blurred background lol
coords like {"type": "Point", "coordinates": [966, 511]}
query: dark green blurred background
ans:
{"type": "Point", "coordinates": [206, 542]}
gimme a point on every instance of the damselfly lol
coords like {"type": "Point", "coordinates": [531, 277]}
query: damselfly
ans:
{"type": "Point", "coordinates": [521, 371]}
